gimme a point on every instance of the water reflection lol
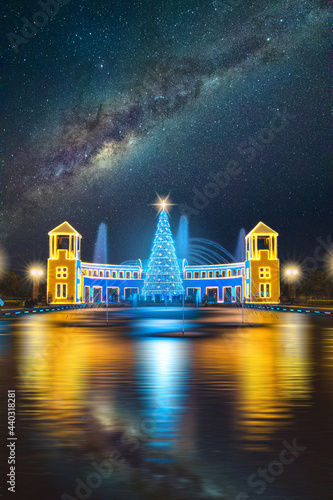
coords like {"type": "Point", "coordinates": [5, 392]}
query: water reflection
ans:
{"type": "Point", "coordinates": [187, 402]}
{"type": "Point", "coordinates": [68, 377]}
{"type": "Point", "coordinates": [163, 368]}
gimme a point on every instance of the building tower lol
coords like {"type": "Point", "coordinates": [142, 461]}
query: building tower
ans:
{"type": "Point", "coordinates": [64, 265]}
{"type": "Point", "coordinates": [262, 268]}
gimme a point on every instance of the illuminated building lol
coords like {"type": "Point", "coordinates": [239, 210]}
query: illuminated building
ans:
{"type": "Point", "coordinates": [69, 280]}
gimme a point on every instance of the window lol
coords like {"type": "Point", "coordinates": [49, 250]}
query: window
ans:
{"type": "Point", "coordinates": [228, 273]}
{"type": "Point", "coordinates": [135, 275]}
{"type": "Point", "coordinates": [243, 272]}
{"type": "Point", "coordinates": [107, 274]}
{"type": "Point", "coordinates": [223, 274]}
{"type": "Point", "coordinates": [61, 290]}
{"type": "Point", "coordinates": [85, 272]}
{"type": "Point", "coordinates": [264, 272]}
{"type": "Point", "coordinates": [210, 274]}
{"type": "Point", "coordinates": [263, 243]}
{"type": "Point", "coordinates": [238, 272]}
{"type": "Point", "coordinates": [101, 274]}
{"type": "Point", "coordinates": [217, 274]}
{"type": "Point", "coordinates": [234, 272]}
{"type": "Point", "coordinates": [121, 274]}
{"type": "Point", "coordinates": [62, 272]}
{"type": "Point", "coordinates": [128, 275]}
{"type": "Point", "coordinates": [196, 275]}
{"type": "Point", "coordinates": [95, 272]}
{"type": "Point", "coordinates": [188, 275]}
{"type": "Point", "coordinates": [114, 274]}
{"type": "Point", "coordinates": [265, 290]}
{"type": "Point", "coordinates": [203, 274]}
{"type": "Point", "coordinates": [90, 272]}
{"type": "Point", "coordinates": [63, 242]}
{"type": "Point", "coordinates": [130, 292]}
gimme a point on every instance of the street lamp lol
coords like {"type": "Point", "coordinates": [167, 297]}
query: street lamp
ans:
{"type": "Point", "coordinates": [291, 274]}
{"type": "Point", "coordinates": [36, 275]}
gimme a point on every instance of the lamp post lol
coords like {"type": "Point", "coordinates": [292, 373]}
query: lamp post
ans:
{"type": "Point", "coordinates": [36, 275]}
{"type": "Point", "coordinates": [292, 274]}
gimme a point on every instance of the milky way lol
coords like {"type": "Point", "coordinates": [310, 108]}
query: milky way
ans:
{"type": "Point", "coordinates": [170, 85]}
{"type": "Point", "coordinates": [93, 138]}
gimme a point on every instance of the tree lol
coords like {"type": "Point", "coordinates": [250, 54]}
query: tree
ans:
{"type": "Point", "coordinates": [317, 284]}
{"type": "Point", "coordinates": [163, 276]}
{"type": "Point", "coordinates": [10, 285]}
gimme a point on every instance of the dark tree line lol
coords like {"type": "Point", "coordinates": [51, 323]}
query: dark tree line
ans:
{"type": "Point", "coordinates": [10, 285]}
{"type": "Point", "coordinates": [317, 284]}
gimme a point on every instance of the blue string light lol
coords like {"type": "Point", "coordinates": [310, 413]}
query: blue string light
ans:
{"type": "Point", "coordinates": [163, 276]}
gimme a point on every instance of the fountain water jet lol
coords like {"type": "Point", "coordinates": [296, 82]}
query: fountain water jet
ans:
{"type": "Point", "coordinates": [203, 251]}
{"type": "Point", "coordinates": [182, 238]}
{"type": "Point", "coordinates": [101, 245]}
{"type": "Point", "coordinates": [240, 247]}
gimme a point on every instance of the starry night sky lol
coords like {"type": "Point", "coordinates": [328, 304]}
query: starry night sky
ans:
{"type": "Point", "coordinates": [113, 101]}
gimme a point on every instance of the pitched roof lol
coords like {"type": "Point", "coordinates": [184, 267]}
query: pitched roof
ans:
{"type": "Point", "coordinates": [64, 228]}
{"type": "Point", "coordinates": [262, 229]}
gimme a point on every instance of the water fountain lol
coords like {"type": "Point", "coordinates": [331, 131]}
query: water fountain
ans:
{"type": "Point", "coordinates": [240, 247]}
{"type": "Point", "coordinates": [101, 245]}
{"type": "Point", "coordinates": [182, 242]}
{"type": "Point", "coordinates": [197, 298]}
{"type": "Point", "coordinates": [203, 251]}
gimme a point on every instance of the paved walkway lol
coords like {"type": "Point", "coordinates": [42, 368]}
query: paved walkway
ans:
{"type": "Point", "coordinates": [298, 309]}
{"type": "Point", "coordinates": [5, 313]}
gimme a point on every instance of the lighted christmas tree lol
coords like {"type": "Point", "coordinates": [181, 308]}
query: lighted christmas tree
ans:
{"type": "Point", "coordinates": [163, 276]}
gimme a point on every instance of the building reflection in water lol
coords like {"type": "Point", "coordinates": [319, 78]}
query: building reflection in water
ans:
{"type": "Point", "coordinates": [68, 379]}
{"type": "Point", "coordinates": [163, 366]}
{"type": "Point", "coordinates": [82, 384]}
{"type": "Point", "coordinates": [267, 370]}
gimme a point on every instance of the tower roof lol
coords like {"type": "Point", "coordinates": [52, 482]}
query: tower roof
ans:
{"type": "Point", "coordinates": [65, 228]}
{"type": "Point", "coordinates": [262, 229]}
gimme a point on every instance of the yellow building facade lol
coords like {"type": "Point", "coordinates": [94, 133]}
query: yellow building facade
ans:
{"type": "Point", "coordinates": [64, 280]}
{"type": "Point", "coordinates": [262, 266]}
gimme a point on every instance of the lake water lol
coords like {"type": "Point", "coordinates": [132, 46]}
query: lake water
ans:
{"type": "Point", "coordinates": [135, 410]}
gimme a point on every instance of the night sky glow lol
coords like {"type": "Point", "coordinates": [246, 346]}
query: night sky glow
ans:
{"type": "Point", "coordinates": [112, 102]}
